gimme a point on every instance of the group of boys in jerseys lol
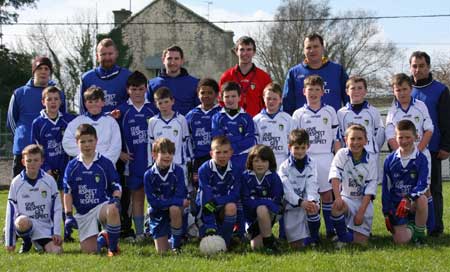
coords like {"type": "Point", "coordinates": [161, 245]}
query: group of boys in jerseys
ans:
{"type": "Point", "coordinates": [246, 174]}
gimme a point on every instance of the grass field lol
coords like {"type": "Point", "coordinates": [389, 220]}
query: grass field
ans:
{"type": "Point", "coordinates": [380, 255]}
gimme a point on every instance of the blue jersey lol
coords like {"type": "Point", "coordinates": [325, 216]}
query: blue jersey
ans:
{"type": "Point", "coordinates": [165, 191]}
{"type": "Point", "coordinates": [222, 188]}
{"type": "Point", "coordinates": [268, 191]}
{"type": "Point", "coordinates": [183, 88]}
{"type": "Point", "coordinates": [90, 185]}
{"type": "Point", "coordinates": [332, 74]}
{"type": "Point", "coordinates": [199, 124]}
{"type": "Point", "coordinates": [239, 129]}
{"type": "Point", "coordinates": [24, 106]}
{"type": "Point", "coordinates": [49, 134]}
{"type": "Point", "coordinates": [113, 83]}
{"type": "Point", "coordinates": [403, 177]}
{"type": "Point", "coordinates": [133, 124]}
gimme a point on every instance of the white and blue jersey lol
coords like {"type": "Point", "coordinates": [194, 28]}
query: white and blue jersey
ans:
{"type": "Point", "coordinates": [39, 200]}
{"type": "Point", "coordinates": [49, 134]}
{"type": "Point", "coordinates": [90, 185]}
{"type": "Point", "coordinates": [199, 123]}
{"type": "Point", "coordinates": [133, 124]}
{"type": "Point", "coordinates": [403, 177]}
{"type": "Point", "coordinates": [239, 129]}
{"type": "Point", "coordinates": [113, 83]}
{"type": "Point", "coordinates": [273, 130]}
{"type": "Point", "coordinates": [369, 117]}
{"type": "Point", "coordinates": [416, 112]}
{"type": "Point", "coordinates": [24, 106]}
{"type": "Point", "coordinates": [268, 192]}
{"type": "Point", "coordinates": [357, 178]}
{"type": "Point", "coordinates": [321, 125]}
{"type": "Point", "coordinates": [219, 187]}
{"type": "Point", "coordinates": [299, 183]}
{"type": "Point", "coordinates": [176, 130]}
{"type": "Point", "coordinates": [167, 190]}
{"type": "Point", "coordinates": [109, 142]}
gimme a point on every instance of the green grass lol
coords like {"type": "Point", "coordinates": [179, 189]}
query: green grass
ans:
{"type": "Point", "coordinates": [380, 255]}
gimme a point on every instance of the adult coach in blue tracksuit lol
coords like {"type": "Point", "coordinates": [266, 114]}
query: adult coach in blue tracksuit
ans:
{"type": "Point", "coordinates": [437, 98]}
{"type": "Point", "coordinates": [112, 79]}
{"type": "Point", "coordinates": [26, 104]}
{"type": "Point", "coordinates": [315, 64]}
{"type": "Point", "coordinates": [182, 85]}
{"type": "Point", "coordinates": [108, 76]}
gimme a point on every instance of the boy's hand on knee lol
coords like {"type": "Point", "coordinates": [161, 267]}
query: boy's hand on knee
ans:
{"type": "Point", "coordinates": [358, 219]}
{"type": "Point", "coordinates": [57, 240]}
{"type": "Point", "coordinates": [338, 204]}
{"type": "Point", "coordinates": [403, 208]}
{"type": "Point", "coordinates": [387, 222]}
{"type": "Point", "coordinates": [116, 201]}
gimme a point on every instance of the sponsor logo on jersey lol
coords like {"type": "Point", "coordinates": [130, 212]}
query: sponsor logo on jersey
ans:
{"type": "Point", "coordinates": [44, 194]}
{"type": "Point", "coordinates": [25, 196]}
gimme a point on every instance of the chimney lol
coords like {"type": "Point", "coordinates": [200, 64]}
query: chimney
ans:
{"type": "Point", "coordinates": [120, 16]}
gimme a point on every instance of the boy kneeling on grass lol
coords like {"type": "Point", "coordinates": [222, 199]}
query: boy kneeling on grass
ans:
{"type": "Point", "coordinates": [92, 186]}
{"type": "Point", "coordinates": [34, 208]}
{"type": "Point", "coordinates": [405, 205]}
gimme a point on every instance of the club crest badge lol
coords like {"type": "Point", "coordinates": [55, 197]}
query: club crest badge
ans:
{"type": "Point", "coordinates": [44, 194]}
{"type": "Point", "coordinates": [175, 132]}
{"type": "Point", "coordinates": [253, 86]}
{"type": "Point", "coordinates": [97, 178]}
{"type": "Point", "coordinates": [241, 129]}
{"type": "Point", "coordinates": [417, 119]}
{"type": "Point", "coordinates": [366, 122]}
{"type": "Point", "coordinates": [325, 120]}
{"type": "Point", "coordinates": [281, 127]}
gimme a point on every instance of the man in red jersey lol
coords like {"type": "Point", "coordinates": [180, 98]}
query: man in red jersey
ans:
{"type": "Point", "coordinates": [251, 79]}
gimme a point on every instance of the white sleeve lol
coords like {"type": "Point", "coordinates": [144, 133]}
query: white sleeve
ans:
{"type": "Point", "coordinates": [289, 194]}
{"type": "Point", "coordinates": [115, 146]}
{"type": "Point", "coordinates": [57, 211]}
{"type": "Point", "coordinates": [150, 141]}
{"type": "Point", "coordinates": [11, 214]}
{"type": "Point", "coordinates": [257, 132]}
{"type": "Point", "coordinates": [189, 154]}
{"type": "Point", "coordinates": [390, 126]}
{"type": "Point", "coordinates": [312, 185]}
{"type": "Point", "coordinates": [337, 166]}
{"type": "Point", "coordinates": [427, 122]}
{"type": "Point", "coordinates": [371, 186]}
{"type": "Point", "coordinates": [379, 129]}
{"type": "Point", "coordinates": [334, 123]}
{"type": "Point", "coordinates": [69, 142]}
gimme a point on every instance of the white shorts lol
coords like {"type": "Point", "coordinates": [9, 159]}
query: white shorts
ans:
{"type": "Point", "coordinates": [353, 206]}
{"type": "Point", "coordinates": [295, 224]}
{"type": "Point", "coordinates": [88, 223]}
{"type": "Point", "coordinates": [323, 162]}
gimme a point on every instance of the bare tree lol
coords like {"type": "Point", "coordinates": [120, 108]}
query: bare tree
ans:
{"type": "Point", "coordinates": [356, 44]}
{"type": "Point", "coordinates": [441, 68]}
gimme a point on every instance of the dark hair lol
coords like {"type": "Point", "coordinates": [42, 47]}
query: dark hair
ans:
{"type": "Point", "coordinates": [94, 93]}
{"type": "Point", "coordinates": [313, 80]}
{"type": "Point", "coordinates": [245, 40]}
{"type": "Point", "coordinates": [220, 141]}
{"type": "Point", "coordinates": [419, 55]}
{"type": "Point", "coordinates": [406, 125]}
{"type": "Point", "coordinates": [209, 82]}
{"type": "Point", "coordinates": [173, 48]}
{"type": "Point", "coordinates": [265, 153]}
{"type": "Point", "coordinates": [162, 93]}
{"type": "Point", "coordinates": [85, 129]}
{"type": "Point", "coordinates": [314, 36]}
{"type": "Point", "coordinates": [136, 79]}
{"type": "Point", "coordinates": [355, 79]}
{"type": "Point", "coordinates": [273, 87]}
{"type": "Point", "coordinates": [356, 127]}
{"type": "Point", "coordinates": [50, 89]}
{"type": "Point", "coordinates": [298, 136]}
{"type": "Point", "coordinates": [399, 79]}
{"type": "Point", "coordinates": [231, 86]}
{"type": "Point", "coordinates": [163, 145]}
{"type": "Point", "coordinates": [33, 149]}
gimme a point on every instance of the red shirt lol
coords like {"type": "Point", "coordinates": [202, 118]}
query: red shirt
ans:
{"type": "Point", "coordinates": [252, 86]}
